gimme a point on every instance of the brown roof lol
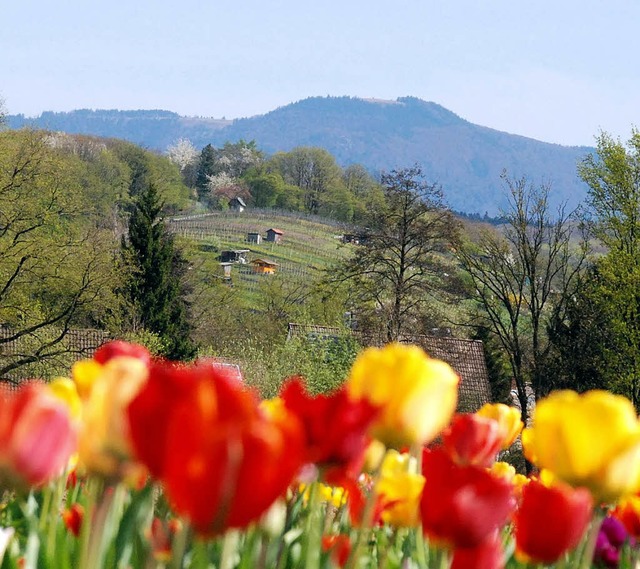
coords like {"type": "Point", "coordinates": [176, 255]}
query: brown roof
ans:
{"type": "Point", "coordinates": [264, 262]}
{"type": "Point", "coordinates": [279, 231]}
{"type": "Point", "coordinates": [465, 356]}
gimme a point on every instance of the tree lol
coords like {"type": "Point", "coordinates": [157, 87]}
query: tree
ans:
{"type": "Point", "coordinates": [206, 168]}
{"type": "Point", "coordinates": [583, 349]}
{"type": "Point", "coordinates": [185, 155]}
{"type": "Point", "coordinates": [399, 263]}
{"type": "Point", "coordinates": [613, 177]}
{"type": "Point", "coordinates": [156, 286]}
{"type": "Point", "coordinates": [314, 171]}
{"type": "Point", "coordinates": [518, 274]}
{"type": "Point", "coordinates": [264, 188]}
{"type": "Point", "coordinates": [55, 263]}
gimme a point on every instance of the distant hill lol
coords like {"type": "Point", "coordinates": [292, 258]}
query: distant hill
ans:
{"type": "Point", "coordinates": [466, 159]}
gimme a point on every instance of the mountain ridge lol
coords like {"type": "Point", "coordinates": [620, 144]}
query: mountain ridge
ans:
{"type": "Point", "coordinates": [465, 158]}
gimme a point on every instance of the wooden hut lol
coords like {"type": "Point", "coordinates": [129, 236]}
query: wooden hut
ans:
{"type": "Point", "coordinates": [274, 235]}
{"type": "Point", "coordinates": [264, 267]}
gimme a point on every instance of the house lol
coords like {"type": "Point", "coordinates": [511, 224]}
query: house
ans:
{"type": "Point", "coordinates": [237, 204]}
{"type": "Point", "coordinates": [234, 256]}
{"type": "Point", "coordinates": [465, 356]}
{"type": "Point", "coordinates": [274, 235]}
{"type": "Point", "coordinates": [264, 267]}
{"type": "Point", "coordinates": [254, 238]}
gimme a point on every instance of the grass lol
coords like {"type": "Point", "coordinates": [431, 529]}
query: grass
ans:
{"type": "Point", "coordinates": [308, 246]}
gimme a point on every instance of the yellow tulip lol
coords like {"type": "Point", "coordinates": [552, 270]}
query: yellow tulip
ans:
{"type": "Point", "coordinates": [400, 487]}
{"type": "Point", "coordinates": [334, 495]}
{"type": "Point", "coordinates": [65, 389]}
{"type": "Point", "coordinates": [417, 395]}
{"type": "Point", "coordinates": [590, 440]}
{"type": "Point", "coordinates": [104, 446]}
{"type": "Point", "coordinates": [508, 419]}
{"type": "Point", "coordinates": [503, 470]}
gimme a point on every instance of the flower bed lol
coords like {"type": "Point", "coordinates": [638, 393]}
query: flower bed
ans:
{"type": "Point", "coordinates": [140, 463]}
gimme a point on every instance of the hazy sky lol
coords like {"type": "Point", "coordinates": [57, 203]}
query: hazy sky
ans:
{"type": "Point", "coordinates": [556, 70]}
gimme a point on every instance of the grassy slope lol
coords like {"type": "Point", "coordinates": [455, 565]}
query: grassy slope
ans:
{"type": "Point", "coordinates": [308, 245]}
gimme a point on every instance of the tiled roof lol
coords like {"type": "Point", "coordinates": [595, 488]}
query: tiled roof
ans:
{"type": "Point", "coordinates": [76, 345]}
{"type": "Point", "coordinates": [465, 356]}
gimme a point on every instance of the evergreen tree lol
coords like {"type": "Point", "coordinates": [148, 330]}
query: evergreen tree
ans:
{"type": "Point", "coordinates": [156, 288]}
{"type": "Point", "coordinates": [497, 368]}
{"type": "Point", "coordinates": [207, 166]}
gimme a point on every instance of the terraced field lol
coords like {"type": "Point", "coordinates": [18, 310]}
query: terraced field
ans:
{"type": "Point", "coordinates": [308, 245]}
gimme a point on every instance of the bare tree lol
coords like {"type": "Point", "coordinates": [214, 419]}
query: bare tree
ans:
{"type": "Point", "coordinates": [520, 273]}
{"type": "Point", "coordinates": [399, 262]}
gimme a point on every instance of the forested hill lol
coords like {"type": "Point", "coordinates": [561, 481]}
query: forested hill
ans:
{"type": "Point", "coordinates": [466, 159]}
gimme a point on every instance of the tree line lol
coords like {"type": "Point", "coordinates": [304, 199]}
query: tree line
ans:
{"type": "Point", "coordinates": [552, 293]}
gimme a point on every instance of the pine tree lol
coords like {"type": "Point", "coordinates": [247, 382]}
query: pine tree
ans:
{"type": "Point", "coordinates": [156, 288]}
{"type": "Point", "coordinates": [206, 167]}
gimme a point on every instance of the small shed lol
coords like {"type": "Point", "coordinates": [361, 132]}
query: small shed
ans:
{"type": "Point", "coordinates": [237, 204]}
{"type": "Point", "coordinates": [274, 235]}
{"type": "Point", "coordinates": [254, 238]}
{"type": "Point", "coordinates": [234, 256]}
{"type": "Point", "coordinates": [264, 267]}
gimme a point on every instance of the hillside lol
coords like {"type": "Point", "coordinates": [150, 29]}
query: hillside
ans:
{"type": "Point", "coordinates": [308, 246]}
{"type": "Point", "coordinates": [466, 159]}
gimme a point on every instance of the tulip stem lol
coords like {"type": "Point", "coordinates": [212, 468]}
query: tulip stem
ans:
{"type": "Point", "coordinates": [445, 559]}
{"type": "Point", "coordinates": [590, 543]}
{"type": "Point", "coordinates": [313, 532]}
{"type": "Point", "coordinates": [229, 549]}
{"type": "Point", "coordinates": [179, 545]}
{"type": "Point", "coordinates": [367, 518]}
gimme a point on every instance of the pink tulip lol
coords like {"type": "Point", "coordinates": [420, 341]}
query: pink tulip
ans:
{"type": "Point", "coordinates": [37, 436]}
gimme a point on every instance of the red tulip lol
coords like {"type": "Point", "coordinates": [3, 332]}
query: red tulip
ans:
{"type": "Point", "coordinates": [472, 439]}
{"type": "Point", "coordinates": [72, 518]}
{"type": "Point", "coordinates": [488, 555]}
{"type": "Point", "coordinates": [37, 435]}
{"type": "Point", "coordinates": [339, 547]}
{"type": "Point", "coordinates": [627, 511]}
{"type": "Point", "coordinates": [462, 505]}
{"type": "Point", "coordinates": [335, 427]}
{"type": "Point", "coordinates": [551, 520]}
{"type": "Point", "coordinates": [118, 348]}
{"type": "Point", "coordinates": [222, 459]}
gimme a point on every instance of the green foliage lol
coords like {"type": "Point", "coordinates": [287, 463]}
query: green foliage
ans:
{"type": "Point", "coordinates": [497, 367]}
{"type": "Point", "coordinates": [316, 173]}
{"type": "Point", "coordinates": [55, 257]}
{"type": "Point", "coordinates": [581, 340]}
{"type": "Point", "coordinates": [323, 362]}
{"type": "Point", "coordinates": [146, 168]}
{"type": "Point", "coordinates": [156, 287]}
{"type": "Point", "coordinates": [265, 188]}
{"type": "Point", "coordinates": [613, 176]}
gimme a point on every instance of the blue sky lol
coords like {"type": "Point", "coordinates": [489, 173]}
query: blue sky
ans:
{"type": "Point", "coordinates": [556, 70]}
